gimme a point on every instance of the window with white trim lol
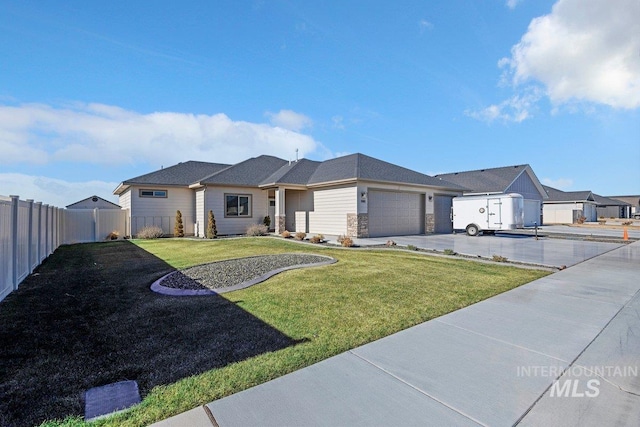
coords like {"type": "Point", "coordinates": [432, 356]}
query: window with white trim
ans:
{"type": "Point", "coordinates": [153, 193]}
{"type": "Point", "coordinates": [237, 205]}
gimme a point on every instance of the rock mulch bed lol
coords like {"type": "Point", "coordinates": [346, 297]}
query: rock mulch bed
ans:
{"type": "Point", "coordinates": [224, 276]}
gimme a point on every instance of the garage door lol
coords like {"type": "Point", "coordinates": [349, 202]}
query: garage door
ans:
{"type": "Point", "coordinates": [442, 214]}
{"type": "Point", "coordinates": [395, 213]}
{"type": "Point", "coordinates": [531, 212]}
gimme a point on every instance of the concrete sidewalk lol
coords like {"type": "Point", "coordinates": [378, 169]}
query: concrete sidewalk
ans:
{"type": "Point", "coordinates": [492, 363]}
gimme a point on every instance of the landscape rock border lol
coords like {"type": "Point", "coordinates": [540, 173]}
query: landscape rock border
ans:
{"type": "Point", "coordinates": [165, 290]}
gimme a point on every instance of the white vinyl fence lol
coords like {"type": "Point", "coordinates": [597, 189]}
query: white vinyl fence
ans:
{"type": "Point", "coordinates": [31, 231]}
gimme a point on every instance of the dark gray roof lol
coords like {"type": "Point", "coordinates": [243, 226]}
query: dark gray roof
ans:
{"type": "Point", "coordinates": [360, 166]}
{"type": "Point", "coordinates": [181, 174]}
{"type": "Point", "coordinates": [556, 195]}
{"type": "Point", "coordinates": [297, 173]}
{"type": "Point", "coordinates": [494, 180]}
{"type": "Point", "coordinates": [607, 201]}
{"type": "Point", "coordinates": [251, 172]}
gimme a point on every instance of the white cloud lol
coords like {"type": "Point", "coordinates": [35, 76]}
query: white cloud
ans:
{"type": "Point", "coordinates": [515, 109]}
{"type": "Point", "coordinates": [291, 120]}
{"type": "Point", "coordinates": [424, 25]}
{"type": "Point", "coordinates": [563, 184]}
{"type": "Point", "coordinates": [105, 134]}
{"type": "Point", "coordinates": [55, 192]}
{"type": "Point", "coordinates": [511, 4]}
{"type": "Point", "coordinates": [584, 50]}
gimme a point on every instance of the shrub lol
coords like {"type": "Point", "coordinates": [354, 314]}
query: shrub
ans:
{"type": "Point", "coordinates": [499, 258]}
{"type": "Point", "coordinates": [267, 221]}
{"type": "Point", "coordinates": [178, 228]}
{"type": "Point", "coordinates": [581, 219]}
{"type": "Point", "coordinates": [285, 234]}
{"type": "Point", "coordinates": [346, 242]}
{"type": "Point", "coordinates": [341, 238]}
{"type": "Point", "coordinates": [113, 235]}
{"type": "Point", "coordinates": [300, 235]}
{"type": "Point", "coordinates": [150, 232]}
{"type": "Point", "coordinates": [450, 252]}
{"type": "Point", "coordinates": [390, 243]}
{"type": "Point", "coordinates": [412, 247]}
{"type": "Point", "coordinates": [257, 230]}
{"type": "Point", "coordinates": [627, 223]}
{"type": "Point", "coordinates": [212, 230]}
{"type": "Point", "coordinates": [319, 238]}
{"type": "Point", "coordinates": [602, 222]}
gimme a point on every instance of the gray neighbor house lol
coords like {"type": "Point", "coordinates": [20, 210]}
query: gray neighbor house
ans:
{"type": "Point", "coordinates": [354, 195]}
{"type": "Point", "coordinates": [509, 179]}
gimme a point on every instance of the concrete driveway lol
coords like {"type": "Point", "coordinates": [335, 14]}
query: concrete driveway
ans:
{"type": "Point", "coordinates": [526, 249]}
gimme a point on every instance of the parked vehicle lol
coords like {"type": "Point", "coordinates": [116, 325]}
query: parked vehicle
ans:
{"type": "Point", "coordinates": [488, 213]}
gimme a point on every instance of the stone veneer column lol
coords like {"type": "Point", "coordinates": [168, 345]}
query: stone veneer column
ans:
{"type": "Point", "coordinates": [281, 223]}
{"type": "Point", "coordinates": [429, 223]}
{"type": "Point", "coordinates": [358, 225]}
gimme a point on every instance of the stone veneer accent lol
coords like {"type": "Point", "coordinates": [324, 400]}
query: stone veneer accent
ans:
{"type": "Point", "coordinates": [281, 223]}
{"type": "Point", "coordinates": [358, 225]}
{"type": "Point", "coordinates": [429, 223]}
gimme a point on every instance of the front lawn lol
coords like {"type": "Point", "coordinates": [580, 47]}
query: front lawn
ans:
{"type": "Point", "coordinates": [187, 351]}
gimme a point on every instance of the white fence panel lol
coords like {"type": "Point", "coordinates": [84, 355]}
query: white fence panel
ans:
{"type": "Point", "coordinates": [111, 220]}
{"type": "Point", "coordinates": [6, 256]}
{"type": "Point", "coordinates": [79, 226]}
{"type": "Point", "coordinates": [22, 262]}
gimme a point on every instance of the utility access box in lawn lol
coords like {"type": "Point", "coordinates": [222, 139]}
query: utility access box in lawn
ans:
{"type": "Point", "coordinates": [488, 213]}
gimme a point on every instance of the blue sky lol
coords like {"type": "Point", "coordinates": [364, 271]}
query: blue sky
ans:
{"type": "Point", "coordinates": [93, 93]}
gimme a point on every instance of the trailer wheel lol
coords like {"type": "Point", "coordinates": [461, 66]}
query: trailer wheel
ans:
{"type": "Point", "coordinates": [472, 230]}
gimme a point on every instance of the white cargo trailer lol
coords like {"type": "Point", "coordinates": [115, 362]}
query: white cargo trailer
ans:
{"type": "Point", "coordinates": [488, 213]}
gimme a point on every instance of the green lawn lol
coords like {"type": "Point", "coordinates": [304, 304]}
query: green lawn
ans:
{"type": "Point", "coordinates": [366, 295]}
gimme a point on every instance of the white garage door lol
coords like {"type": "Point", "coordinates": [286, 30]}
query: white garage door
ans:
{"type": "Point", "coordinates": [531, 212]}
{"type": "Point", "coordinates": [395, 214]}
{"type": "Point", "coordinates": [442, 214]}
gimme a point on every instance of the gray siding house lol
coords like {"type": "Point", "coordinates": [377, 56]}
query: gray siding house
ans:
{"type": "Point", "coordinates": [354, 195]}
{"type": "Point", "coordinates": [509, 179]}
{"type": "Point", "coordinates": [565, 207]}
{"type": "Point", "coordinates": [93, 202]}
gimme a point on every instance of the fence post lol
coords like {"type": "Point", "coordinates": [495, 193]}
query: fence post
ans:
{"type": "Point", "coordinates": [39, 238]}
{"type": "Point", "coordinates": [30, 238]}
{"type": "Point", "coordinates": [46, 230]}
{"type": "Point", "coordinates": [96, 219]}
{"type": "Point", "coordinates": [14, 241]}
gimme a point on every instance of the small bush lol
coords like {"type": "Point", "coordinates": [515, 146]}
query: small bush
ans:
{"type": "Point", "coordinates": [627, 223]}
{"type": "Point", "coordinates": [178, 228]}
{"type": "Point", "coordinates": [319, 238]}
{"type": "Point", "coordinates": [390, 243]}
{"type": "Point", "coordinates": [212, 230]}
{"type": "Point", "coordinates": [346, 242]}
{"type": "Point", "coordinates": [300, 235]}
{"type": "Point", "coordinates": [267, 221]}
{"type": "Point", "coordinates": [257, 230]}
{"type": "Point", "coordinates": [450, 252]}
{"type": "Point", "coordinates": [150, 232]}
{"type": "Point", "coordinates": [602, 222]}
{"type": "Point", "coordinates": [581, 219]}
{"type": "Point", "coordinates": [113, 235]}
{"type": "Point", "coordinates": [499, 258]}
{"type": "Point", "coordinates": [341, 238]}
{"type": "Point", "coordinates": [285, 234]}
{"type": "Point", "coordinates": [412, 247]}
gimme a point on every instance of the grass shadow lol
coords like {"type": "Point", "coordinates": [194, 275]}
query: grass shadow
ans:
{"type": "Point", "coordinates": [88, 318]}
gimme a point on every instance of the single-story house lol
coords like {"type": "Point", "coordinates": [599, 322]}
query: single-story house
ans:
{"type": "Point", "coordinates": [565, 207]}
{"type": "Point", "coordinates": [93, 202]}
{"type": "Point", "coordinates": [509, 179]}
{"type": "Point", "coordinates": [612, 208]}
{"type": "Point", "coordinates": [633, 202]}
{"type": "Point", "coordinates": [354, 195]}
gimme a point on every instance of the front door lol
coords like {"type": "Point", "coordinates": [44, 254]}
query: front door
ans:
{"type": "Point", "coordinates": [272, 213]}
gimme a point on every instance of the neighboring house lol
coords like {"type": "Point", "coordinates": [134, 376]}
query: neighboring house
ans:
{"type": "Point", "coordinates": [354, 195]}
{"type": "Point", "coordinates": [93, 202]}
{"type": "Point", "coordinates": [633, 201]}
{"type": "Point", "coordinates": [509, 179]}
{"type": "Point", "coordinates": [611, 208]}
{"type": "Point", "coordinates": [565, 207]}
